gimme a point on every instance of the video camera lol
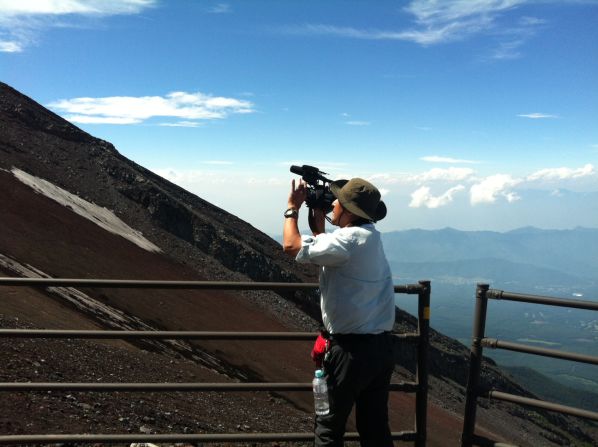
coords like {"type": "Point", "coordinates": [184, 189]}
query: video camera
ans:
{"type": "Point", "coordinates": [319, 195]}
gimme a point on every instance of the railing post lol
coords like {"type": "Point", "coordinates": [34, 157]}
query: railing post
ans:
{"type": "Point", "coordinates": [421, 397]}
{"type": "Point", "coordinates": [475, 365]}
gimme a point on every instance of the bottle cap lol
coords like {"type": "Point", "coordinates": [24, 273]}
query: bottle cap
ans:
{"type": "Point", "coordinates": [319, 373]}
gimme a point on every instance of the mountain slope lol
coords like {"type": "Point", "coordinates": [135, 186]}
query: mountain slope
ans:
{"type": "Point", "coordinates": [196, 240]}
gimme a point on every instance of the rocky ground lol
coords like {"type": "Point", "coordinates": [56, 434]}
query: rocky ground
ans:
{"type": "Point", "coordinates": [57, 360]}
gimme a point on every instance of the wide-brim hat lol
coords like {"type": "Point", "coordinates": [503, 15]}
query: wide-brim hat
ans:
{"type": "Point", "coordinates": [360, 197]}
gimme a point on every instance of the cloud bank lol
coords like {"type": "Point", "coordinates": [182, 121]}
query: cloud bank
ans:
{"type": "Point", "coordinates": [190, 108]}
{"type": "Point", "coordinates": [562, 173]}
{"type": "Point", "coordinates": [481, 189]}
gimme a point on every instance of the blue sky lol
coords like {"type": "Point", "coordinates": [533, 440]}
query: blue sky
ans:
{"type": "Point", "coordinates": [478, 114]}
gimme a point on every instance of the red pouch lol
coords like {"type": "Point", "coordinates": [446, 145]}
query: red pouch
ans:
{"type": "Point", "coordinates": [319, 349]}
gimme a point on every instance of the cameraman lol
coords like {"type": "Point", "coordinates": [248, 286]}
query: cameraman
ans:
{"type": "Point", "coordinates": [357, 303]}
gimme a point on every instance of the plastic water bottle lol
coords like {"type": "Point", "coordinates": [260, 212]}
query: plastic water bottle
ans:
{"type": "Point", "coordinates": [321, 402]}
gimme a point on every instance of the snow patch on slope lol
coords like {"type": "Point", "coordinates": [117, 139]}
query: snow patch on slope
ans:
{"type": "Point", "coordinates": [97, 214]}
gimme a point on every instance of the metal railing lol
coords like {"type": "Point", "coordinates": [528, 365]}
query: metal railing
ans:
{"type": "Point", "coordinates": [474, 390]}
{"type": "Point", "coordinates": [419, 386]}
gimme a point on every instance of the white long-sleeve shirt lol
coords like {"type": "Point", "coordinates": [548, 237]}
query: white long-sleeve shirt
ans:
{"type": "Point", "coordinates": [357, 292]}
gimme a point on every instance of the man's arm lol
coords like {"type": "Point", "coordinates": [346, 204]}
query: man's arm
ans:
{"type": "Point", "coordinates": [316, 221]}
{"type": "Point", "coordinates": [291, 238]}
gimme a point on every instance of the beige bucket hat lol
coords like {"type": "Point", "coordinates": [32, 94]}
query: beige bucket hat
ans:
{"type": "Point", "coordinates": [360, 197]}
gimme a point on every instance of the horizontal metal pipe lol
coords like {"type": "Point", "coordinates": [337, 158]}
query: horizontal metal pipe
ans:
{"type": "Point", "coordinates": [128, 438]}
{"type": "Point", "coordinates": [493, 394]}
{"type": "Point", "coordinates": [168, 335]}
{"type": "Point", "coordinates": [538, 299]}
{"type": "Point", "coordinates": [499, 344]}
{"type": "Point", "coordinates": [155, 387]}
{"type": "Point", "coordinates": [152, 284]}
{"type": "Point", "coordinates": [410, 289]}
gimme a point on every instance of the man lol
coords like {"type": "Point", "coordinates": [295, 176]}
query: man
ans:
{"type": "Point", "coordinates": [357, 303]}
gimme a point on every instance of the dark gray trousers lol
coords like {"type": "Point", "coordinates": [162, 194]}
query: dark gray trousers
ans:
{"type": "Point", "coordinates": [358, 370]}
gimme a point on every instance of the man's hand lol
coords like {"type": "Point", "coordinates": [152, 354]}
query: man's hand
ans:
{"type": "Point", "coordinates": [297, 195]}
{"type": "Point", "coordinates": [316, 221]}
{"type": "Point", "coordinates": [291, 239]}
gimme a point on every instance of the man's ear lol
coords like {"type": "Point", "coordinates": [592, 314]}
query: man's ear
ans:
{"type": "Point", "coordinates": [352, 216]}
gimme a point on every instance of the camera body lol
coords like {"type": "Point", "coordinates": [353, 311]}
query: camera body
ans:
{"type": "Point", "coordinates": [319, 195]}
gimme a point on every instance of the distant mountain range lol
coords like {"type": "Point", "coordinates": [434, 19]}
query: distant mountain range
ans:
{"type": "Point", "coordinates": [542, 252]}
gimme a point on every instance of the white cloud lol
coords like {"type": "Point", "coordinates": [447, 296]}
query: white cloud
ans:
{"type": "Point", "coordinates": [562, 173]}
{"type": "Point", "coordinates": [440, 174]}
{"type": "Point", "coordinates": [423, 198]}
{"type": "Point", "coordinates": [58, 7]}
{"type": "Point", "coordinates": [536, 116]}
{"type": "Point", "coordinates": [525, 21]}
{"type": "Point", "coordinates": [508, 50]}
{"type": "Point", "coordinates": [21, 21]}
{"type": "Point", "coordinates": [220, 8]}
{"type": "Point", "coordinates": [433, 12]}
{"type": "Point", "coordinates": [7, 46]}
{"type": "Point", "coordinates": [190, 107]}
{"type": "Point", "coordinates": [493, 187]}
{"type": "Point", "coordinates": [438, 22]}
{"type": "Point", "coordinates": [438, 31]}
{"type": "Point", "coordinates": [423, 37]}
{"type": "Point", "coordinates": [382, 178]}
{"type": "Point", "coordinates": [83, 119]}
{"type": "Point", "coordinates": [357, 123]}
{"type": "Point", "coordinates": [437, 159]}
{"type": "Point", "coordinates": [180, 124]}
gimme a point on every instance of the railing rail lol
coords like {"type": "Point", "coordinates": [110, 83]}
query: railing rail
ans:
{"type": "Point", "coordinates": [411, 289]}
{"type": "Point", "coordinates": [171, 335]}
{"type": "Point", "coordinates": [539, 299]}
{"type": "Point", "coordinates": [493, 343]}
{"type": "Point", "coordinates": [407, 387]}
{"type": "Point", "coordinates": [406, 436]}
{"type": "Point", "coordinates": [419, 386]}
{"type": "Point", "coordinates": [483, 293]}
